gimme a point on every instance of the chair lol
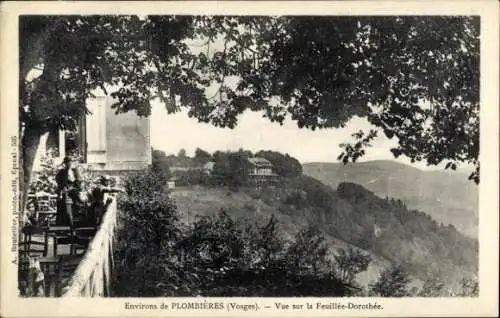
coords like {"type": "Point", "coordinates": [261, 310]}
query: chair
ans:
{"type": "Point", "coordinates": [83, 237]}
{"type": "Point", "coordinates": [61, 235]}
{"type": "Point", "coordinates": [43, 200]}
{"type": "Point", "coordinates": [47, 207]}
{"type": "Point", "coordinates": [31, 244]}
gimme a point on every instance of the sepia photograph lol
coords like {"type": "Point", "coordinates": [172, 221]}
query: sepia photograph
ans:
{"type": "Point", "coordinates": [258, 155]}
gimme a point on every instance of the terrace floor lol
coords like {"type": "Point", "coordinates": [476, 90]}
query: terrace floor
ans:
{"type": "Point", "coordinates": [57, 266]}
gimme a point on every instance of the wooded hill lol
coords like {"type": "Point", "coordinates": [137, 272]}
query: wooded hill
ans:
{"type": "Point", "coordinates": [385, 227]}
{"type": "Point", "coordinates": [447, 196]}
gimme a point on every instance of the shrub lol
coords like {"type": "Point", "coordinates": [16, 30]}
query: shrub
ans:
{"type": "Point", "coordinates": [308, 252]}
{"type": "Point", "coordinates": [469, 287]}
{"type": "Point", "coordinates": [392, 282]}
{"type": "Point", "coordinates": [44, 180]}
{"type": "Point", "coordinates": [230, 169]}
{"type": "Point", "coordinates": [148, 230]}
{"type": "Point", "coordinates": [432, 288]}
{"type": "Point", "coordinates": [225, 258]}
{"type": "Point", "coordinates": [143, 183]}
{"type": "Point", "coordinates": [284, 209]}
{"type": "Point", "coordinates": [350, 262]}
{"type": "Point", "coordinates": [159, 164]}
{"type": "Point", "coordinates": [215, 256]}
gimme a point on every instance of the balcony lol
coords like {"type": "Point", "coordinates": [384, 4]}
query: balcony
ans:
{"type": "Point", "coordinates": [74, 263]}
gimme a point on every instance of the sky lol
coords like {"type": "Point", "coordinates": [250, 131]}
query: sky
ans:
{"type": "Point", "coordinates": [172, 132]}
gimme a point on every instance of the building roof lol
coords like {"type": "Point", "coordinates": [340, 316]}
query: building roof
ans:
{"type": "Point", "coordinates": [209, 165]}
{"type": "Point", "coordinates": [260, 162]}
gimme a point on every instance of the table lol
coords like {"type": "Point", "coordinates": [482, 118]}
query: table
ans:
{"type": "Point", "coordinates": [59, 232]}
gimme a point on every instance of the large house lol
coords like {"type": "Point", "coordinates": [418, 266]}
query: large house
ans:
{"type": "Point", "coordinates": [261, 171]}
{"type": "Point", "coordinates": [106, 141]}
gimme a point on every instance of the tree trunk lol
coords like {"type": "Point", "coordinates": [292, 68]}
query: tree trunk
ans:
{"type": "Point", "coordinates": [29, 146]}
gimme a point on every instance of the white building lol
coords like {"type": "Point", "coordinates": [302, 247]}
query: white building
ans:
{"type": "Point", "coordinates": [105, 140]}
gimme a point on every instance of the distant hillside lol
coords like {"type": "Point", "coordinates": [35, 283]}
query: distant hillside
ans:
{"type": "Point", "coordinates": [350, 216]}
{"type": "Point", "coordinates": [200, 201]}
{"type": "Point", "coordinates": [447, 196]}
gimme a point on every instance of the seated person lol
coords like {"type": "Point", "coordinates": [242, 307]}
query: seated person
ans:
{"type": "Point", "coordinates": [29, 217]}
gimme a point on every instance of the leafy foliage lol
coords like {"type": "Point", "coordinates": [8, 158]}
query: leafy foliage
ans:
{"type": "Point", "coordinates": [296, 199]}
{"type": "Point", "coordinates": [390, 229]}
{"type": "Point", "coordinates": [231, 260]}
{"type": "Point", "coordinates": [201, 156]}
{"type": "Point", "coordinates": [432, 288]}
{"type": "Point", "coordinates": [159, 164]}
{"type": "Point", "coordinates": [231, 168]}
{"type": "Point", "coordinates": [350, 262]}
{"type": "Point", "coordinates": [392, 282]}
{"type": "Point", "coordinates": [469, 287]}
{"type": "Point", "coordinates": [385, 227]}
{"type": "Point", "coordinates": [215, 256]}
{"type": "Point", "coordinates": [308, 252]}
{"type": "Point", "coordinates": [416, 78]}
{"type": "Point", "coordinates": [148, 227]}
{"type": "Point", "coordinates": [182, 154]}
{"type": "Point", "coordinates": [431, 60]}
{"type": "Point", "coordinates": [355, 192]}
{"type": "Point", "coordinates": [316, 193]}
{"type": "Point", "coordinates": [143, 183]}
{"type": "Point", "coordinates": [45, 178]}
{"type": "Point", "coordinates": [221, 256]}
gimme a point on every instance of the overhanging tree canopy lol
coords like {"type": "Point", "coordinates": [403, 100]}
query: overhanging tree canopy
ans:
{"type": "Point", "coordinates": [414, 78]}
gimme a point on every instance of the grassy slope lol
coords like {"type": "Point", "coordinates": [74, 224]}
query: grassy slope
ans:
{"type": "Point", "coordinates": [447, 196]}
{"type": "Point", "coordinates": [197, 201]}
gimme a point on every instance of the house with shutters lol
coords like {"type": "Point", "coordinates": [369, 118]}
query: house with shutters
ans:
{"type": "Point", "coordinates": [105, 141]}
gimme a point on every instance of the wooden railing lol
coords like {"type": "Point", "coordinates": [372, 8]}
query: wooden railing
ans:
{"type": "Point", "coordinates": [92, 276]}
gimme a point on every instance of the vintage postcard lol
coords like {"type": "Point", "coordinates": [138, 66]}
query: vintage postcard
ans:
{"type": "Point", "coordinates": [254, 159]}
